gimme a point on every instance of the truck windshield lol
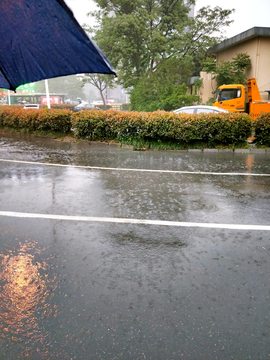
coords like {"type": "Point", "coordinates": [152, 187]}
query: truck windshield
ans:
{"type": "Point", "coordinates": [228, 94]}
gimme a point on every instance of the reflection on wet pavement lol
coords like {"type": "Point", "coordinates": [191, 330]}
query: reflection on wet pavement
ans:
{"type": "Point", "coordinates": [26, 292]}
{"type": "Point", "coordinates": [19, 147]}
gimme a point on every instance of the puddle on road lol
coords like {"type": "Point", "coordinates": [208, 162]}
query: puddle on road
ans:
{"type": "Point", "coordinates": [146, 242]}
{"type": "Point", "coordinates": [26, 294]}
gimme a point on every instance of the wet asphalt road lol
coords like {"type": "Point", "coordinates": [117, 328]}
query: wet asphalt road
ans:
{"type": "Point", "coordinates": [88, 290]}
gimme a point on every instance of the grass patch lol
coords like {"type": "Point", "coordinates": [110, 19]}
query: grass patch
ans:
{"type": "Point", "coordinates": [238, 145]}
{"type": "Point", "coordinates": [141, 144]}
{"type": "Point", "coordinates": [260, 146]}
{"type": "Point", "coordinates": [147, 144]}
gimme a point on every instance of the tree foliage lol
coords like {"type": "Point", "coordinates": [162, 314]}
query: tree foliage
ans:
{"type": "Point", "coordinates": [162, 89]}
{"type": "Point", "coordinates": [143, 37]}
{"type": "Point", "coordinates": [229, 72]}
{"type": "Point", "coordinates": [101, 82]}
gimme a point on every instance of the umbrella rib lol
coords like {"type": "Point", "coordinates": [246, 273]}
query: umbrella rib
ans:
{"type": "Point", "coordinates": [11, 86]}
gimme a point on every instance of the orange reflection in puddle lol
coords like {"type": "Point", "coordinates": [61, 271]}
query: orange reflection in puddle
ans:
{"type": "Point", "coordinates": [25, 291]}
{"type": "Point", "coordinates": [250, 162]}
{"type": "Point", "coordinates": [249, 165]}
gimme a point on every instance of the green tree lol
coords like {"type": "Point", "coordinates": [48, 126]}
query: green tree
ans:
{"type": "Point", "coordinates": [101, 82]}
{"type": "Point", "coordinates": [163, 89]}
{"type": "Point", "coordinates": [143, 37]}
{"type": "Point", "coordinates": [228, 72]}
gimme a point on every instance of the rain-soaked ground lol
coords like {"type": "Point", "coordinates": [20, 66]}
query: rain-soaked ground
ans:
{"type": "Point", "coordinates": [74, 289]}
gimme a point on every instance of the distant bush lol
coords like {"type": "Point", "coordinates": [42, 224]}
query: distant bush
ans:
{"type": "Point", "coordinates": [62, 106]}
{"type": "Point", "coordinates": [125, 107]}
{"type": "Point", "coordinates": [262, 129]}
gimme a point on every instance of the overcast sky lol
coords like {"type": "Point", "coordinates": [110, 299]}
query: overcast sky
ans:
{"type": "Point", "coordinates": [248, 13]}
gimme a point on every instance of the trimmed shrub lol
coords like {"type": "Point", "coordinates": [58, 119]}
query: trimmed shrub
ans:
{"type": "Point", "coordinates": [125, 107]}
{"type": "Point", "coordinates": [126, 126]}
{"type": "Point", "coordinates": [54, 120]}
{"type": "Point", "coordinates": [262, 129]}
{"type": "Point", "coordinates": [90, 125]}
{"type": "Point", "coordinates": [32, 120]}
{"type": "Point", "coordinates": [160, 125]}
{"type": "Point", "coordinates": [9, 116]}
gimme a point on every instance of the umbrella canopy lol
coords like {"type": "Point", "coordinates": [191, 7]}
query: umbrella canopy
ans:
{"type": "Point", "coordinates": [41, 39]}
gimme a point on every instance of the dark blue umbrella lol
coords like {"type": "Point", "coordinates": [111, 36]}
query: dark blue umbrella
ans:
{"type": "Point", "coordinates": [41, 39]}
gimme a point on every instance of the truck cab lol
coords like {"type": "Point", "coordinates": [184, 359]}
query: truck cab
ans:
{"type": "Point", "coordinates": [231, 97]}
{"type": "Point", "coordinates": [235, 98]}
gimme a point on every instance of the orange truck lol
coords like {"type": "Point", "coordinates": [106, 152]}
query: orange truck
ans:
{"type": "Point", "coordinates": [236, 98]}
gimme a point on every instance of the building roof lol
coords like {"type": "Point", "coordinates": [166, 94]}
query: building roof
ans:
{"type": "Point", "coordinates": [244, 36]}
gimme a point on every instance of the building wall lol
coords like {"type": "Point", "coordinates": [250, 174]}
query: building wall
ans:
{"type": "Point", "coordinates": [209, 85]}
{"type": "Point", "coordinates": [259, 51]}
{"type": "Point", "coordinates": [263, 66]}
{"type": "Point", "coordinates": [249, 47]}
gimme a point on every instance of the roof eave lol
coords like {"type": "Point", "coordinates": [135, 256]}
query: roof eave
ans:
{"type": "Point", "coordinates": [244, 36]}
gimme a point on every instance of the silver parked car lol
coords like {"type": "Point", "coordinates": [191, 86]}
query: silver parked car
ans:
{"type": "Point", "coordinates": [31, 106]}
{"type": "Point", "coordinates": [84, 106]}
{"type": "Point", "coordinates": [197, 109]}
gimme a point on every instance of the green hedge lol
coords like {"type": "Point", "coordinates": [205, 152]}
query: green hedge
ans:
{"type": "Point", "coordinates": [15, 117]}
{"type": "Point", "coordinates": [124, 126]}
{"type": "Point", "coordinates": [262, 129]}
{"type": "Point", "coordinates": [160, 125]}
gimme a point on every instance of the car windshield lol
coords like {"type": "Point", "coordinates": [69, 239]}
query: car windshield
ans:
{"type": "Point", "coordinates": [228, 94]}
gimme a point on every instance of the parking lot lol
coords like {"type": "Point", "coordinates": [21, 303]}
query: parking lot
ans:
{"type": "Point", "coordinates": [109, 253]}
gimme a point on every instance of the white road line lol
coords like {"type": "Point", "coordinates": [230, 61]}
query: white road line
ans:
{"type": "Point", "coordinates": [134, 221]}
{"type": "Point", "coordinates": [136, 170]}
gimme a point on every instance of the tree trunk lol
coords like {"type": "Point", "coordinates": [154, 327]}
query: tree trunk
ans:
{"type": "Point", "coordinates": [103, 99]}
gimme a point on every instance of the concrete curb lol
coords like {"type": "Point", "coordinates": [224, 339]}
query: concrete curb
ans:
{"type": "Point", "coordinates": [237, 151]}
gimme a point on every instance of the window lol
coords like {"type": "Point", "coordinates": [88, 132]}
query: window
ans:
{"type": "Point", "coordinates": [228, 94]}
{"type": "Point", "coordinates": [202, 110]}
{"type": "Point", "coordinates": [186, 111]}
